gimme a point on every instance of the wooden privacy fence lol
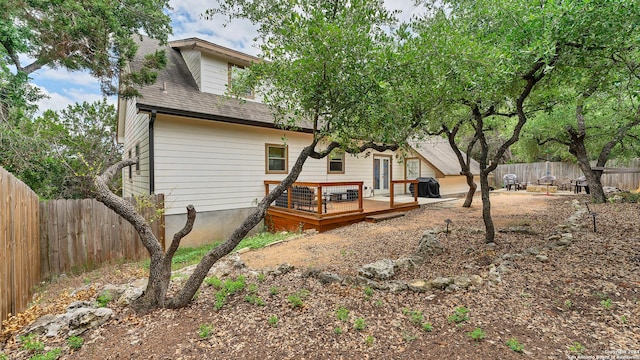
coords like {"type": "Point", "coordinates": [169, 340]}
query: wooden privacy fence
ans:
{"type": "Point", "coordinates": [43, 239]}
{"type": "Point", "coordinates": [80, 234]}
{"type": "Point", "coordinates": [531, 172]}
{"type": "Point", "coordinates": [19, 244]}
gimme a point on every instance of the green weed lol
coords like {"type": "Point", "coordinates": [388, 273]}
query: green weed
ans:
{"type": "Point", "coordinates": [297, 300]}
{"type": "Point", "coordinates": [75, 342]}
{"type": "Point", "coordinates": [477, 334]}
{"type": "Point", "coordinates": [254, 300]}
{"type": "Point", "coordinates": [369, 340]}
{"type": "Point", "coordinates": [606, 304]}
{"type": "Point", "coordinates": [273, 321]}
{"type": "Point", "coordinates": [49, 355]}
{"type": "Point", "coordinates": [213, 281]}
{"type": "Point", "coordinates": [337, 330]}
{"type": "Point", "coordinates": [31, 343]}
{"type": "Point", "coordinates": [427, 327]}
{"type": "Point", "coordinates": [461, 314]}
{"type": "Point", "coordinates": [576, 348]}
{"type": "Point", "coordinates": [515, 345]}
{"type": "Point", "coordinates": [359, 324]}
{"type": "Point", "coordinates": [104, 299]}
{"type": "Point", "coordinates": [408, 336]}
{"type": "Point", "coordinates": [273, 290]}
{"type": "Point", "coordinates": [342, 314]}
{"type": "Point", "coordinates": [261, 277]}
{"type": "Point", "coordinates": [205, 330]}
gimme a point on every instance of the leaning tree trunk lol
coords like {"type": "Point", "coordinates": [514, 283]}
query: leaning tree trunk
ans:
{"type": "Point", "coordinates": [490, 234]}
{"type": "Point", "coordinates": [472, 189]}
{"type": "Point", "coordinates": [579, 150]}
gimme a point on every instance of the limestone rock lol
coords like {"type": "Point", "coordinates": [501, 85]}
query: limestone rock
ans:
{"type": "Point", "coordinates": [405, 263]}
{"type": "Point", "coordinates": [542, 258]}
{"type": "Point", "coordinates": [441, 282]}
{"type": "Point", "coordinates": [429, 245]}
{"type": "Point", "coordinates": [396, 286]}
{"type": "Point", "coordinates": [476, 280]}
{"type": "Point", "coordinates": [419, 285]}
{"type": "Point", "coordinates": [84, 319]}
{"type": "Point", "coordinates": [129, 295]}
{"type": "Point", "coordinates": [381, 270]}
{"type": "Point", "coordinates": [462, 281]}
{"type": "Point", "coordinates": [328, 278]}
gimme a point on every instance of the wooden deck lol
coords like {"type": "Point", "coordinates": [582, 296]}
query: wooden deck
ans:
{"type": "Point", "coordinates": [279, 219]}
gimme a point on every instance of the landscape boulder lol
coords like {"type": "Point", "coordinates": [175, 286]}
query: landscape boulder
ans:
{"type": "Point", "coordinates": [382, 269]}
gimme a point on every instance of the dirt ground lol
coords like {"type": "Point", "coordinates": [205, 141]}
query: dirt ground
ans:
{"type": "Point", "coordinates": [581, 299]}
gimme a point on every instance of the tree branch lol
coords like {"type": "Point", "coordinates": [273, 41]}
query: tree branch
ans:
{"type": "Point", "coordinates": [177, 237]}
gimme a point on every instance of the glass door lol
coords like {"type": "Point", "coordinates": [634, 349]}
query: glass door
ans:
{"type": "Point", "coordinates": [381, 174]}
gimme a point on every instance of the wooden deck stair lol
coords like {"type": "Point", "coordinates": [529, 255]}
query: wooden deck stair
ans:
{"type": "Point", "coordinates": [383, 217]}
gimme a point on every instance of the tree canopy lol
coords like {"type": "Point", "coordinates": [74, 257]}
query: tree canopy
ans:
{"type": "Point", "coordinates": [95, 36]}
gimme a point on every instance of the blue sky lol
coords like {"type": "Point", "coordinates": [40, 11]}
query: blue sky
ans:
{"type": "Point", "coordinates": [66, 88]}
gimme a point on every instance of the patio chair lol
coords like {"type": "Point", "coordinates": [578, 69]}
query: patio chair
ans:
{"type": "Point", "coordinates": [511, 180]}
{"type": "Point", "coordinates": [303, 198]}
{"type": "Point", "coordinates": [580, 183]}
{"type": "Point", "coordinates": [547, 180]}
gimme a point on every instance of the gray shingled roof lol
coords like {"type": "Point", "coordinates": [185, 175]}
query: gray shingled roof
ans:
{"type": "Point", "coordinates": [438, 153]}
{"type": "Point", "coordinates": [182, 96]}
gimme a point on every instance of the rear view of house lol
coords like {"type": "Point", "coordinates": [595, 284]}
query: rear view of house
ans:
{"type": "Point", "coordinates": [197, 146]}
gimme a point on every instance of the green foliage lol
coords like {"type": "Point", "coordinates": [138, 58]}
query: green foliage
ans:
{"type": "Point", "coordinates": [261, 277]}
{"type": "Point", "coordinates": [58, 153]}
{"type": "Point", "coordinates": [221, 299]}
{"type": "Point", "coordinates": [273, 321]}
{"type": "Point", "coordinates": [576, 348]}
{"type": "Point", "coordinates": [327, 59]}
{"type": "Point", "coordinates": [227, 288]}
{"type": "Point", "coordinates": [342, 314]}
{"type": "Point", "coordinates": [99, 39]}
{"type": "Point", "coordinates": [75, 342]}
{"type": "Point", "coordinates": [3, 356]}
{"type": "Point", "coordinates": [369, 340]}
{"type": "Point", "coordinates": [252, 288]}
{"type": "Point", "coordinates": [359, 324]}
{"type": "Point", "coordinates": [273, 291]}
{"type": "Point", "coordinates": [254, 300]}
{"type": "Point", "coordinates": [368, 292]}
{"type": "Point", "coordinates": [205, 330]}
{"type": "Point", "coordinates": [515, 345]}
{"type": "Point", "coordinates": [408, 336]}
{"type": "Point", "coordinates": [477, 334]}
{"type": "Point", "coordinates": [427, 327]}
{"type": "Point", "coordinates": [104, 299]}
{"type": "Point", "coordinates": [337, 330]}
{"type": "Point", "coordinates": [296, 300]}
{"type": "Point", "coordinates": [49, 355]}
{"type": "Point", "coordinates": [31, 343]}
{"type": "Point", "coordinates": [607, 304]}
{"type": "Point", "coordinates": [461, 314]}
{"type": "Point", "coordinates": [417, 319]}
{"type": "Point", "coordinates": [263, 239]}
{"type": "Point", "coordinates": [213, 281]}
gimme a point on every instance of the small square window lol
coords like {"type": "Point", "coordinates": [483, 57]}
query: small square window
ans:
{"type": "Point", "coordinates": [276, 157]}
{"type": "Point", "coordinates": [335, 163]}
{"type": "Point", "coordinates": [235, 71]}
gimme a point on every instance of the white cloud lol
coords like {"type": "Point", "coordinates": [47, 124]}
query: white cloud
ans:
{"type": "Point", "coordinates": [78, 78]}
{"type": "Point", "coordinates": [61, 98]}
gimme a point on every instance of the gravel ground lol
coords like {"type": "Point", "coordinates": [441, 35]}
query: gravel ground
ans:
{"type": "Point", "coordinates": [582, 299]}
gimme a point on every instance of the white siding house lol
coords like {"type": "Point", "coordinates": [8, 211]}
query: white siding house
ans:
{"type": "Point", "coordinates": [201, 148]}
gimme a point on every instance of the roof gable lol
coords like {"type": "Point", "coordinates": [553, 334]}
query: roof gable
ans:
{"type": "Point", "coordinates": [438, 153]}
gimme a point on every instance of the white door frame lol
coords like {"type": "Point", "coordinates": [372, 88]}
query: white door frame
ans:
{"type": "Point", "coordinates": [382, 171]}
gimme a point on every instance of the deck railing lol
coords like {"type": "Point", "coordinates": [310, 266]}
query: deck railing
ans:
{"type": "Point", "coordinates": [404, 187]}
{"type": "Point", "coordinates": [321, 199]}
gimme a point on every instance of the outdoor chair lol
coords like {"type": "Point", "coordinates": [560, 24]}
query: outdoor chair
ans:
{"type": "Point", "coordinates": [580, 183]}
{"type": "Point", "coordinates": [511, 180]}
{"type": "Point", "coordinates": [549, 180]}
{"type": "Point", "coordinates": [303, 198]}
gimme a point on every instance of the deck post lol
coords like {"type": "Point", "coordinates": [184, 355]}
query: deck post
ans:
{"type": "Point", "coordinates": [391, 204]}
{"type": "Point", "coordinates": [360, 203]}
{"type": "Point", "coordinates": [320, 199]}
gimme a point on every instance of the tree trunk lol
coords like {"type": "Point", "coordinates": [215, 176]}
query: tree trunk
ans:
{"type": "Point", "coordinates": [472, 190]}
{"type": "Point", "coordinates": [490, 234]}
